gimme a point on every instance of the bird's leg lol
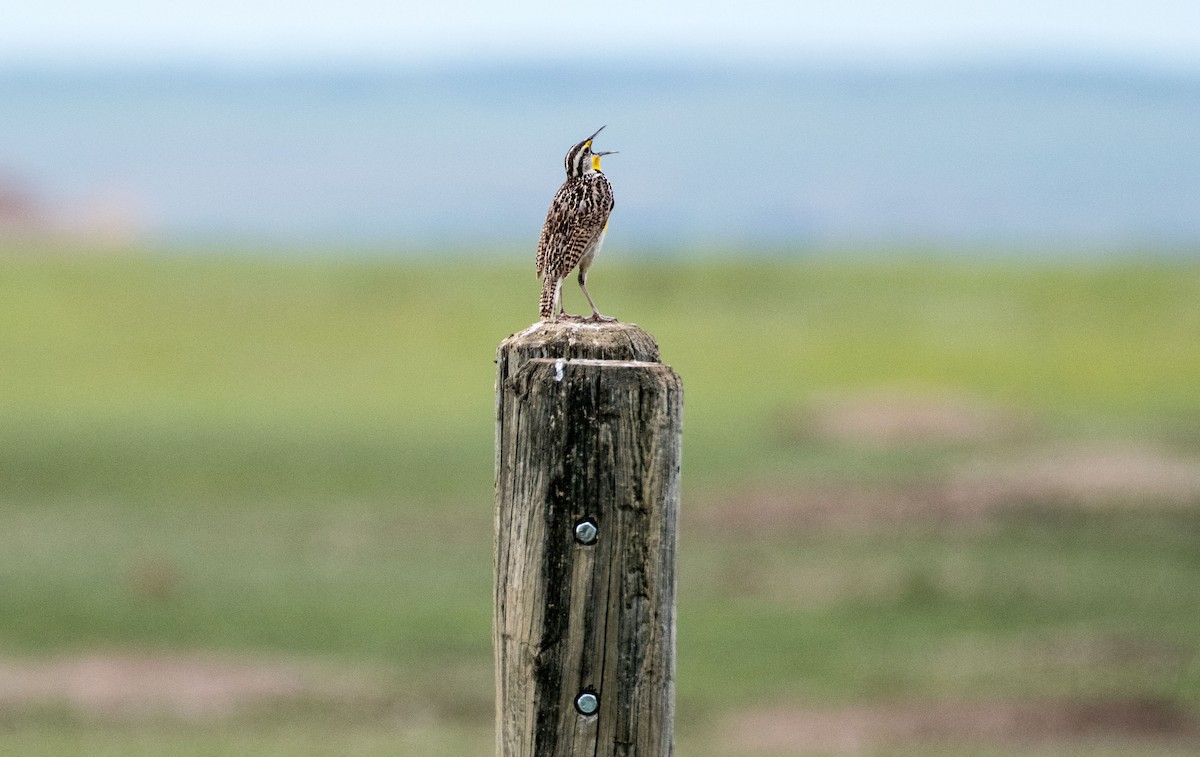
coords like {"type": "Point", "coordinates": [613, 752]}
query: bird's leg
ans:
{"type": "Point", "coordinates": [558, 312]}
{"type": "Point", "coordinates": [561, 313]}
{"type": "Point", "coordinates": [595, 313]}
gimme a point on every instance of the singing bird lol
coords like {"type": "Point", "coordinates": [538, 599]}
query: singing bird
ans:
{"type": "Point", "coordinates": [574, 228]}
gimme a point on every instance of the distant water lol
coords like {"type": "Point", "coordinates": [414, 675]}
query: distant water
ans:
{"type": "Point", "coordinates": [1024, 156]}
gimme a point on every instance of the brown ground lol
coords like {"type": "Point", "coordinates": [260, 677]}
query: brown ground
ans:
{"type": "Point", "coordinates": [182, 685]}
{"type": "Point", "coordinates": [895, 416]}
{"type": "Point", "coordinates": [855, 730]}
{"type": "Point", "coordinates": [1090, 475]}
{"type": "Point", "coordinates": [200, 687]}
{"type": "Point", "coordinates": [1101, 473]}
{"type": "Point", "coordinates": [1006, 468]}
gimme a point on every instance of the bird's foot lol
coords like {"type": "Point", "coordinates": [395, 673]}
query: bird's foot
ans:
{"type": "Point", "coordinates": [597, 318]}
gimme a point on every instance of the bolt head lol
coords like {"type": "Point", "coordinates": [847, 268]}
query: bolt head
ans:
{"type": "Point", "coordinates": [587, 703]}
{"type": "Point", "coordinates": [586, 532]}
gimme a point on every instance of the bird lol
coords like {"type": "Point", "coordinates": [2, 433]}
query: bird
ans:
{"type": "Point", "coordinates": [574, 228]}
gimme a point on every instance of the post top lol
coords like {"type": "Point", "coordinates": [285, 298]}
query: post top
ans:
{"type": "Point", "coordinates": [576, 340]}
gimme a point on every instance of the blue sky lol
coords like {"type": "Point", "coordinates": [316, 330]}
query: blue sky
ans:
{"type": "Point", "coordinates": [1165, 32]}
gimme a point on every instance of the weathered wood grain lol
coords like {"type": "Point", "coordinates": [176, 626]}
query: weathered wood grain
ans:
{"type": "Point", "coordinates": [586, 428]}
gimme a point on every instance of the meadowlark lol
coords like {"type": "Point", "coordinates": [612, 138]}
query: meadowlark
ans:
{"type": "Point", "coordinates": [574, 228]}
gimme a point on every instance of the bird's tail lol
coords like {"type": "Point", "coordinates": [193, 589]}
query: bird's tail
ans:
{"type": "Point", "coordinates": [549, 287]}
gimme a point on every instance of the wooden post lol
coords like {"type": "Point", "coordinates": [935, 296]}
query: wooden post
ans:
{"type": "Point", "coordinates": [588, 430]}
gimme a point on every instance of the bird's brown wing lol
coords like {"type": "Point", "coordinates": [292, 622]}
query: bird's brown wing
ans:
{"type": "Point", "coordinates": [576, 219]}
{"type": "Point", "coordinates": [578, 239]}
{"type": "Point", "coordinates": [551, 235]}
{"type": "Point", "coordinates": [552, 229]}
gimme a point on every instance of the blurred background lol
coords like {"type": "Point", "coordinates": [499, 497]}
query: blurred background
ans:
{"type": "Point", "coordinates": [930, 273]}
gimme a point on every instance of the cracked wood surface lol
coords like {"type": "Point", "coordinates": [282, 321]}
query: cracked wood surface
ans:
{"type": "Point", "coordinates": [588, 425]}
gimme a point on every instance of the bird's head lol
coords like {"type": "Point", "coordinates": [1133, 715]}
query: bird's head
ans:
{"type": "Point", "coordinates": [582, 159]}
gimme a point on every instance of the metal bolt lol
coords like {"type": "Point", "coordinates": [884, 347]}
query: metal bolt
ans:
{"type": "Point", "coordinates": [586, 531]}
{"type": "Point", "coordinates": [587, 703]}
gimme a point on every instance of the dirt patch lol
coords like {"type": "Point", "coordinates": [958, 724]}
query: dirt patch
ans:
{"type": "Point", "coordinates": [892, 417]}
{"type": "Point", "coordinates": [188, 686]}
{"type": "Point", "coordinates": [1096, 475]}
{"type": "Point", "coordinates": [787, 509]}
{"type": "Point", "coordinates": [854, 730]}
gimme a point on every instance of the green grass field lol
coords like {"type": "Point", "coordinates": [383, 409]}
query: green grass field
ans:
{"type": "Point", "coordinates": [288, 462]}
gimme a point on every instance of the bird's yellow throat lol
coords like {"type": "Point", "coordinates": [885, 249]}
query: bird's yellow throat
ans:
{"type": "Point", "coordinates": [595, 162]}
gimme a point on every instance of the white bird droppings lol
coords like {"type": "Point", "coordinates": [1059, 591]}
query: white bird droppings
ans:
{"type": "Point", "coordinates": [558, 369]}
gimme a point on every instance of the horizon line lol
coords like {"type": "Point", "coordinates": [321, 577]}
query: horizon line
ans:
{"type": "Point", "coordinates": [986, 61]}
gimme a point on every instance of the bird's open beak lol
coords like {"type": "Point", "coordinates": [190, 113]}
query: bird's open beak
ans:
{"type": "Point", "coordinates": [604, 152]}
{"type": "Point", "coordinates": [589, 139]}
